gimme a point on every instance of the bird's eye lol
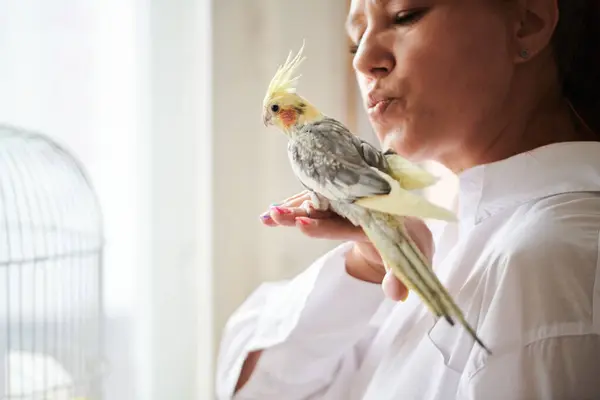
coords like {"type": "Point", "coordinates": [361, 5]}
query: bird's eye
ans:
{"type": "Point", "coordinates": [275, 108]}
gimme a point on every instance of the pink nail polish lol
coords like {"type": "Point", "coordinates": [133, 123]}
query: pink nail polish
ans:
{"type": "Point", "coordinates": [303, 221]}
{"type": "Point", "coordinates": [281, 210]}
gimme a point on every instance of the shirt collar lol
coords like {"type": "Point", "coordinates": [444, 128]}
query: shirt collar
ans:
{"type": "Point", "coordinates": [557, 168]}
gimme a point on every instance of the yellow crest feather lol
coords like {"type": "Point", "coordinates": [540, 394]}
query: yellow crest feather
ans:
{"type": "Point", "coordinates": [284, 80]}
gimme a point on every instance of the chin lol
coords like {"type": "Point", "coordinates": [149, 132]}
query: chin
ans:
{"type": "Point", "coordinates": [405, 144]}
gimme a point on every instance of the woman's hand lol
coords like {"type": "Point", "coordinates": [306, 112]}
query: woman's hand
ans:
{"type": "Point", "coordinates": [363, 261]}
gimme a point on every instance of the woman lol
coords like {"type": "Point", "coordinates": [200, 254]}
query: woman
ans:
{"type": "Point", "coordinates": [505, 94]}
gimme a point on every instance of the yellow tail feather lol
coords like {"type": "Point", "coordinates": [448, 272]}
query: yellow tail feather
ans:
{"type": "Point", "coordinates": [401, 202]}
{"type": "Point", "coordinates": [409, 175]}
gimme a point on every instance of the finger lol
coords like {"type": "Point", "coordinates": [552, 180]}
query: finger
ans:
{"type": "Point", "coordinates": [393, 288]}
{"type": "Point", "coordinates": [294, 200]}
{"type": "Point", "coordinates": [368, 252]}
{"type": "Point", "coordinates": [330, 228]}
{"type": "Point", "coordinates": [287, 216]}
{"type": "Point", "coordinates": [283, 216]}
{"type": "Point", "coordinates": [266, 219]}
{"type": "Point", "coordinates": [301, 211]}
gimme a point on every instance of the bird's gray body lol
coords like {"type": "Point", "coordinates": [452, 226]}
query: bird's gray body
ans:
{"type": "Point", "coordinates": [338, 166]}
{"type": "Point", "coordinates": [339, 169]}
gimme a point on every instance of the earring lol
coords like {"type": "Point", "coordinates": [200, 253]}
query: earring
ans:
{"type": "Point", "coordinates": [524, 53]}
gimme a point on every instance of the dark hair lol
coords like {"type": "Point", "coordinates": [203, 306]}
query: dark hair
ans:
{"type": "Point", "coordinates": [577, 47]}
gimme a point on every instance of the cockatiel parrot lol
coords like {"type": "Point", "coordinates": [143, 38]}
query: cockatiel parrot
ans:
{"type": "Point", "coordinates": [369, 187]}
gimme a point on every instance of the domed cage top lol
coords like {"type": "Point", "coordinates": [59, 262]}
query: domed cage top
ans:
{"type": "Point", "coordinates": [51, 246]}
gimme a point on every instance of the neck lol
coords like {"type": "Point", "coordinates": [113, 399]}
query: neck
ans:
{"type": "Point", "coordinates": [521, 129]}
{"type": "Point", "coordinates": [307, 115]}
{"type": "Point", "coordinates": [310, 114]}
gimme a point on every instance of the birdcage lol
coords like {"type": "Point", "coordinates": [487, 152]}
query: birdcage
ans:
{"type": "Point", "coordinates": [51, 246]}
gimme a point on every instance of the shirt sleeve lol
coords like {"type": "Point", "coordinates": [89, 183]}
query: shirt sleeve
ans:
{"type": "Point", "coordinates": [556, 368]}
{"type": "Point", "coordinates": [310, 330]}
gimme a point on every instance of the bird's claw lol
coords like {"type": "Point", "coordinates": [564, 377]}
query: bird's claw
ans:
{"type": "Point", "coordinates": [318, 202]}
{"type": "Point", "coordinates": [308, 206]}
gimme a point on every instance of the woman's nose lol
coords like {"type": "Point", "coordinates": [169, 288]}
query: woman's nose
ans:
{"type": "Point", "coordinates": [374, 59]}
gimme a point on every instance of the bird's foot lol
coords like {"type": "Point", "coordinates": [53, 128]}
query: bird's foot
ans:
{"type": "Point", "coordinates": [319, 202]}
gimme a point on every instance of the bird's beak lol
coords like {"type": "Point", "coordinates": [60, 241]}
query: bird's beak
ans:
{"type": "Point", "coordinates": [267, 119]}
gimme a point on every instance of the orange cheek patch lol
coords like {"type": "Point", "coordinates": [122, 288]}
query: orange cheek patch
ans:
{"type": "Point", "coordinates": [288, 117]}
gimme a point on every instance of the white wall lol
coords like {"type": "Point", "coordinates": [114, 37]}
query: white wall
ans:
{"type": "Point", "coordinates": [69, 70]}
{"type": "Point", "coordinates": [161, 99]}
{"type": "Point", "coordinates": [177, 304]}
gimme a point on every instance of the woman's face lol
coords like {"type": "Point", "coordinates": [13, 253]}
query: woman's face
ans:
{"type": "Point", "coordinates": [443, 67]}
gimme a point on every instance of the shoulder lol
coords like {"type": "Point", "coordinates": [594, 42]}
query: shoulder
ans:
{"type": "Point", "coordinates": [543, 280]}
{"type": "Point", "coordinates": [557, 230]}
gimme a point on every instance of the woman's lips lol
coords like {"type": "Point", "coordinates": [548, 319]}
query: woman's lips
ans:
{"type": "Point", "coordinates": [377, 110]}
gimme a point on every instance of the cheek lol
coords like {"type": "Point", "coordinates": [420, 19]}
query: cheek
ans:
{"type": "Point", "coordinates": [362, 86]}
{"type": "Point", "coordinates": [456, 70]}
{"type": "Point", "coordinates": [288, 117]}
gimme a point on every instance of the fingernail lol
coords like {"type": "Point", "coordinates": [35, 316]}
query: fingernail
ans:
{"type": "Point", "coordinates": [274, 204]}
{"type": "Point", "coordinates": [303, 221]}
{"type": "Point", "coordinates": [281, 210]}
{"type": "Point", "coordinates": [265, 216]}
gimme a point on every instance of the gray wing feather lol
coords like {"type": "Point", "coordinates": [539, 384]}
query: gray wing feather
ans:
{"type": "Point", "coordinates": [328, 159]}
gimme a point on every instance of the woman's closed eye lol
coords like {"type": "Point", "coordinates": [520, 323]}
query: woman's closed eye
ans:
{"type": "Point", "coordinates": [409, 16]}
{"type": "Point", "coordinates": [402, 18]}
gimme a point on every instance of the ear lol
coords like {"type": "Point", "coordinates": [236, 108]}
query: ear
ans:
{"type": "Point", "coordinates": [535, 27]}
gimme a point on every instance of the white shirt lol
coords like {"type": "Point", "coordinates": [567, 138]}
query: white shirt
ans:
{"type": "Point", "coordinates": [523, 266]}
